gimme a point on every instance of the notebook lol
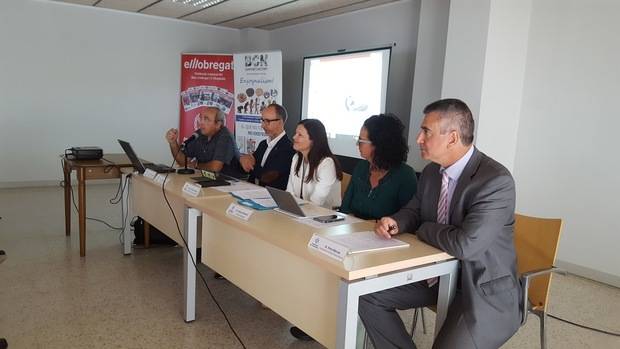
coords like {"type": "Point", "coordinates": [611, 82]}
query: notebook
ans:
{"type": "Point", "coordinates": [288, 205]}
{"type": "Point", "coordinates": [138, 165]}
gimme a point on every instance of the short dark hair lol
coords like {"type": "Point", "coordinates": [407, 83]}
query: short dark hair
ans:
{"type": "Point", "coordinates": [319, 151]}
{"type": "Point", "coordinates": [457, 115]}
{"type": "Point", "coordinates": [386, 132]}
{"type": "Point", "coordinates": [280, 111]}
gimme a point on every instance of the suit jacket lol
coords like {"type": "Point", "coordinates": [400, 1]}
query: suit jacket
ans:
{"type": "Point", "coordinates": [277, 166]}
{"type": "Point", "coordinates": [480, 235]}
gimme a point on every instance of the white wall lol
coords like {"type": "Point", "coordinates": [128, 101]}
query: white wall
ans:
{"type": "Point", "coordinates": [253, 39]}
{"type": "Point", "coordinates": [502, 81]}
{"type": "Point", "coordinates": [429, 66]}
{"type": "Point", "coordinates": [465, 52]}
{"type": "Point", "coordinates": [567, 153]}
{"type": "Point", "coordinates": [541, 77]}
{"type": "Point", "coordinates": [484, 66]}
{"type": "Point", "coordinates": [75, 75]}
{"type": "Point", "coordinates": [369, 28]}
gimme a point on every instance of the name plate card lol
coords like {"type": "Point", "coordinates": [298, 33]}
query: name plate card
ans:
{"type": "Point", "coordinates": [191, 189]}
{"type": "Point", "coordinates": [328, 247]}
{"type": "Point", "coordinates": [239, 211]}
{"type": "Point", "coordinates": [160, 178]}
{"type": "Point", "coordinates": [148, 173]}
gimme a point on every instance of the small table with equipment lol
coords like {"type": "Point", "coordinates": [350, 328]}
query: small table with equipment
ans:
{"type": "Point", "coordinates": [107, 167]}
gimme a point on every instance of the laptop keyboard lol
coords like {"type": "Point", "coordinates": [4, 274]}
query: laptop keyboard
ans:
{"type": "Point", "coordinates": [159, 168]}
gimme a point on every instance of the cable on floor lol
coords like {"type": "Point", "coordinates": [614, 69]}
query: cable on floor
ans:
{"type": "Point", "coordinates": [584, 326]}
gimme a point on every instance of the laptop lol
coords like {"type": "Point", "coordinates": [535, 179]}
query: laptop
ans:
{"type": "Point", "coordinates": [138, 165]}
{"type": "Point", "coordinates": [287, 204]}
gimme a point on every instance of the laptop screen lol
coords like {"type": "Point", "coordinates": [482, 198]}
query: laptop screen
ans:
{"type": "Point", "coordinates": [135, 161]}
{"type": "Point", "coordinates": [286, 201]}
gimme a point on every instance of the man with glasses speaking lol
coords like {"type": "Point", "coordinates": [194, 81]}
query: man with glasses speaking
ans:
{"type": "Point", "coordinates": [270, 164]}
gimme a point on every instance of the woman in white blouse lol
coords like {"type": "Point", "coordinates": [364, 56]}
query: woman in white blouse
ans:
{"type": "Point", "coordinates": [315, 174]}
{"type": "Point", "coordinates": [316, 165]}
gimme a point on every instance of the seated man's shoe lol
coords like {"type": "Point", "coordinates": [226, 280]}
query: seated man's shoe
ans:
{"type": "Point", "coordinates": [2, 258]}
{"type": "Point", "coordinates": [3, 344]}
{"type": "Point", "coordinates": [218, 276]}
{"type": "Point", "coordinates": [299, 334]}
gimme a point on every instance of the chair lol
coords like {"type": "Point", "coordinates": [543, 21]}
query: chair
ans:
{"type": "Point", "coordinates": [536, 243]}
{"type": "Point", "coordinates": [344, 184]}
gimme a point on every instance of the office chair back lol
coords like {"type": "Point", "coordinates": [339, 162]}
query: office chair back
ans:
{"type": "Point", "coordinates": [344, 184]}
{"type": "Point", "coordinates": [536, 243]}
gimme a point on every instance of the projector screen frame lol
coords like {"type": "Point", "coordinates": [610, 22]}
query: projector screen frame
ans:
{"type": "Point", "coordinates": [341, 52]}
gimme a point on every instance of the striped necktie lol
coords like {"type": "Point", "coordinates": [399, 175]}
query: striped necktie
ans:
{"type": "Point", "coordinates": [442, 211]}
{"type": "Point", "coordinates": [442, 205]}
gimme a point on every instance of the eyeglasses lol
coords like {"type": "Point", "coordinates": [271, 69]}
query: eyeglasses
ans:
{"type": "Point", "coordinates": [266, 121]}
{"type": "Point", "coordinates": [206, 120]}
{"type": "Point", "coordinates": [359, 141]}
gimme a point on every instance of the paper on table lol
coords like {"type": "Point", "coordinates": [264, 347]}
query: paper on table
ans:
{"type": "Point", "coordinates": [253, 193]}
{"type": "Point", "coordinates": [265, 202]}
{"type": "Point", "coordinates": [236, 186]}
{"type": "Point", "coordinates": [366, 241]}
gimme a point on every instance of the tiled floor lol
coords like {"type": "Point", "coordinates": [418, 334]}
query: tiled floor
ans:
{"type": "Point", "coordinates": [52, 298]}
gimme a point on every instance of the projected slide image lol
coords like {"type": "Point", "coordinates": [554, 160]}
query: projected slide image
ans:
{"type": "Point", "coordinates": [342, 91]}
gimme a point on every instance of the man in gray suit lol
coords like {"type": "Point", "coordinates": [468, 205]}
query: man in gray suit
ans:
{"type": "Point", "coordinates": [464, 206]}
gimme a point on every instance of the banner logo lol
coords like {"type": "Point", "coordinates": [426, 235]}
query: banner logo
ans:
{"type": "Point", "coordinates": [256, 61]}
{"type": "Point", "coordinates": [196, 63]}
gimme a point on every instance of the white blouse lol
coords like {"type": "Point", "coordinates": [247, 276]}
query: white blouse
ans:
{"type": "Point", "coordinates": [324, 191]}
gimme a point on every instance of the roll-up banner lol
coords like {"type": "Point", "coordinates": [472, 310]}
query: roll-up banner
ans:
{"type": "Point", "coordinates": [258, 83]}
{"type": "Point", "coordinates": [207, 80]}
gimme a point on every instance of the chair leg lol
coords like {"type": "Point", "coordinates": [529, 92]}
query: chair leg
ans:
{"type": "Point", "coordinates": [423, 321]}
{"type": "Point", "coordinates": [542, 318]}
{"type": "Point", "coordinates": [543, 330]}
{"type": "Point", "coordinates": [365, 340]}
{"type": "Point", "coordinates": [414, 322]}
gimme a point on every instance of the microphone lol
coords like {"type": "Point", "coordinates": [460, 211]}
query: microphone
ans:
{"type": "Point", "coordinates": [191, 138]}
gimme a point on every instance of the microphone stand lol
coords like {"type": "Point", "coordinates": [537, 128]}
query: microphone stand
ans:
{"type": "Point", "coordinates": [185, 170]}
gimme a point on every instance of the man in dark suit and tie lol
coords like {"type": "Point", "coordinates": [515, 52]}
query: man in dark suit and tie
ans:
{"type": "Point", "coordinates": [464, 206]}
{"type": "Point", "coordinates": [270, 164]}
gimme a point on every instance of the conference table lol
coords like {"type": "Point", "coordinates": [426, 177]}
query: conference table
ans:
{"type": "Point", "coordinates": [268, 257]}
{"type": "Point", "coordinates": [108, 167]}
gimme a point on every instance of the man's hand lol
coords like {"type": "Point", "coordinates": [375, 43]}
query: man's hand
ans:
{"type": "Point", "coordinates": [172, 135]}
{"type": "Point", "coordinates": [386, 227]}
{"type": "Point", "coordinates": [247, 162]}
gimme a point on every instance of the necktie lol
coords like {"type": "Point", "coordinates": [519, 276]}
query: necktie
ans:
{"type": "Point", "coordinates": [442, 205]}
{"type": "Point", "coordinates": [442, 210]}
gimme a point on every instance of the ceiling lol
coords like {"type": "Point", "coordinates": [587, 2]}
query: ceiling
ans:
{"type": "Point", "coordinates": [262, 14]}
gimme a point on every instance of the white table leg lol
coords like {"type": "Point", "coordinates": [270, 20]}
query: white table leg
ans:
{"type": "Point", "coordinates": [447, 287]}
{"type": "Point", "coordinates": [189, 270]}
{"type": "Point", "coordinates": [347, 315]}
{"type": "Point", "coordinates": [128, 236]}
